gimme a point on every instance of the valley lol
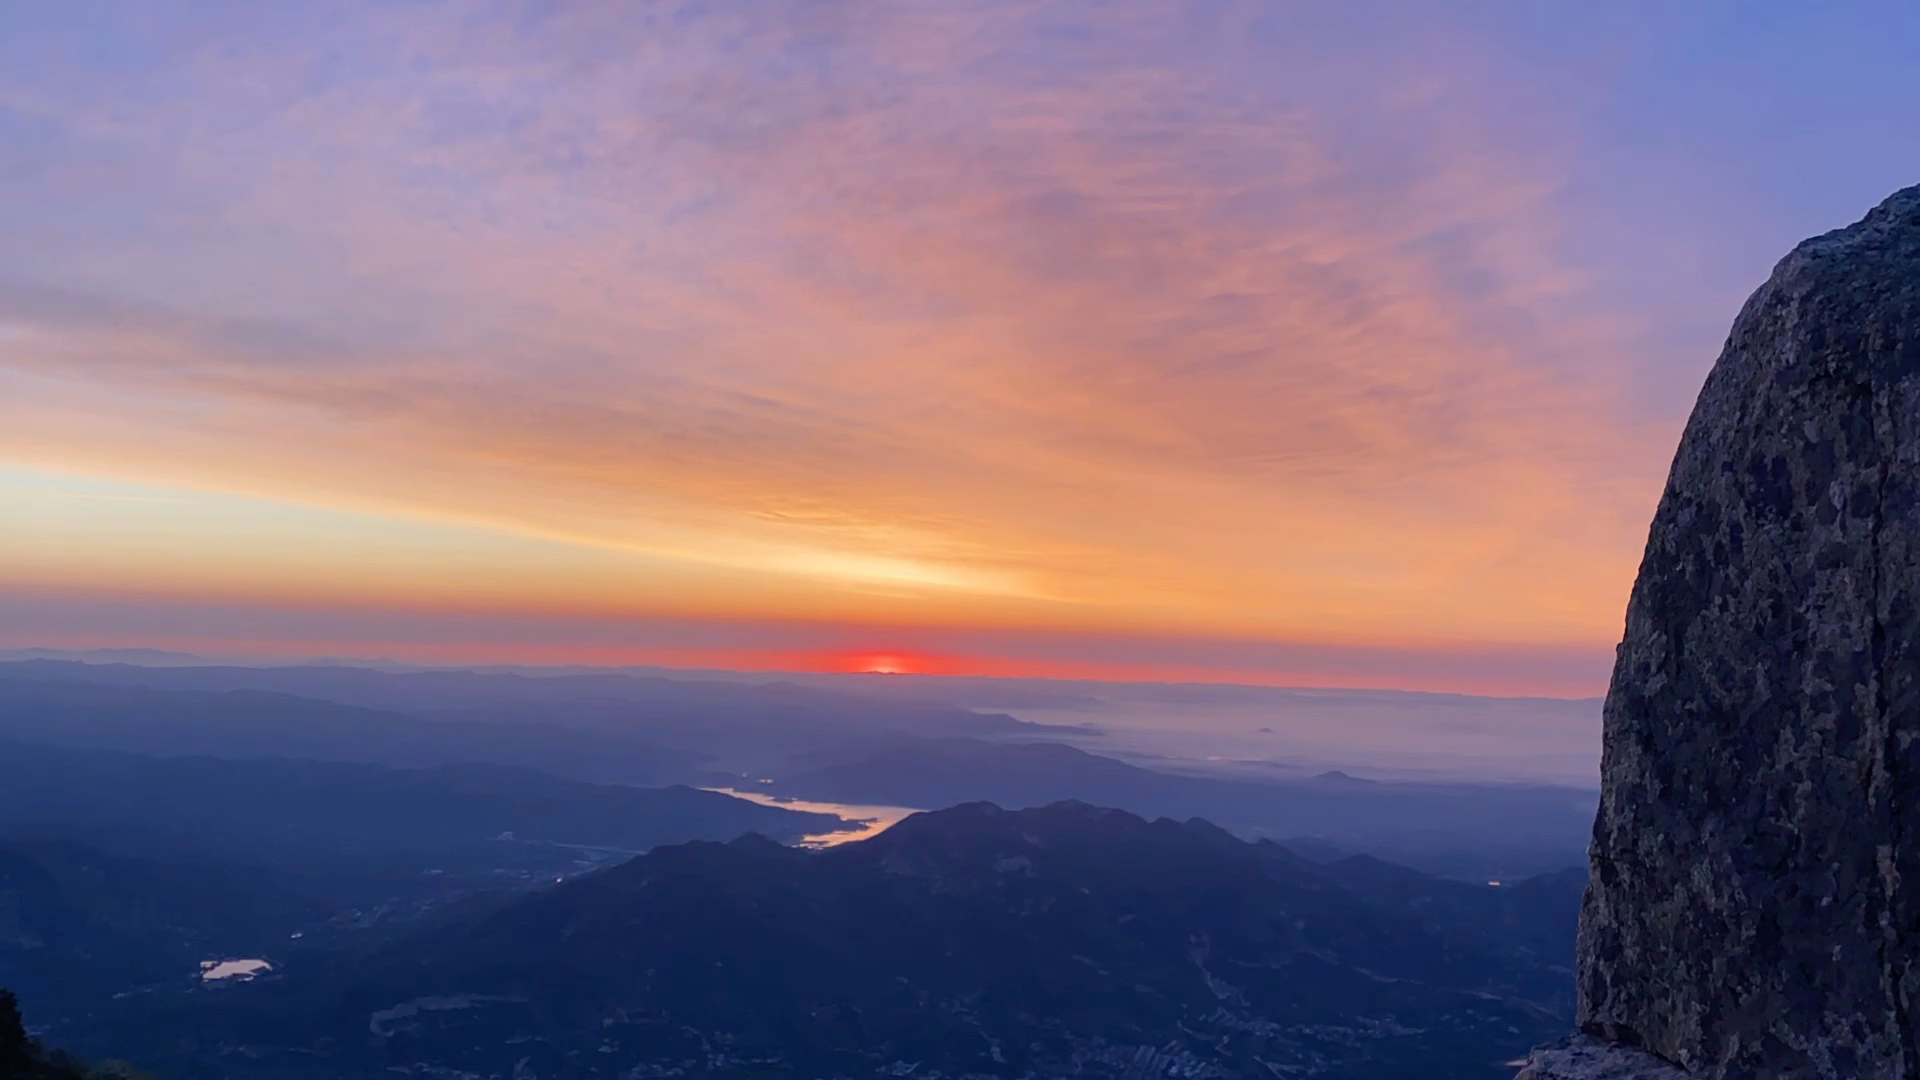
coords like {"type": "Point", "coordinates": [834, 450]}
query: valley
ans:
{"type": "Point", "coordinates": [209, 872]}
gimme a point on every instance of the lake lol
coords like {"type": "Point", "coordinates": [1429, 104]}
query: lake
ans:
{"type": "Point", "coordinates": [213, 970]}
{"type": "Point", "coordinates": [871, 820]}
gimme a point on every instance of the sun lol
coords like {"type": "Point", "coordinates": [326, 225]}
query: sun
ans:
{"type": "Point", "coordinates": [882, 662]}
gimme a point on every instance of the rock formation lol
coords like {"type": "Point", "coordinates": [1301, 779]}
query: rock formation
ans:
{"type": "Point", "coordinates": [1583, 1057]}
{"type": "Point", "coordinates": [1754, 910]}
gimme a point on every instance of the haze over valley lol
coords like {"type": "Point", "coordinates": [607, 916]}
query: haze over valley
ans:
{"type": "Point", "coordinates": [197, 858]}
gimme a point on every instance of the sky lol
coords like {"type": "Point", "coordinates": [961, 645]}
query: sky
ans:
{"type": "Point", "coordinates": [1294, 343]}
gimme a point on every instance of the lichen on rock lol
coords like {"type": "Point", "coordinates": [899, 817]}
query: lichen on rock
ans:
{"type": "Point", "coordinates": [1754, 910]}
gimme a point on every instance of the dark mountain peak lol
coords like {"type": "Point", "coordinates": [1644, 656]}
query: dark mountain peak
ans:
{"type": "Point", "coordinates": [761, 845]}
{"type": "Point", "coordinates": [940, 843]}
{"type": "Point", "coordinates": [978, 810]}
{"type": "Point", "coordinates": [1335, 776]}
{"type": "Point", "coordinates": [1071, 846]}
{"type": "Point", "coordinates": [1038, 826]}
{"type": "Point", "coordinates": [1062, 825]}
{"type": "Point", "coordinates": [927, 824]}
{"type": "Point", "coordinates": [1206, 831]}
{"type": "Point", "coordinates": [707, 863]}
{"type": "Point", "coordinates": [1073, 810]}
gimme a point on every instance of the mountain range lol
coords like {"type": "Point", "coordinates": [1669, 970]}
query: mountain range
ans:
{"type": "Point", "coordinates": [501, 874]}
{"type": "Point", "coordinates": [1478, 831]}
{"type": "Point", "coordinates": [605, 728]}
{"type": "Point", "coordinates": [781, 739]}
{"type": "Point", "coordinates": [972, 941]}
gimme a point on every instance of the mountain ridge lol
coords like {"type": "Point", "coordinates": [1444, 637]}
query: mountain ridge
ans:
{"type": "Point", "coordinates": [971, 940]}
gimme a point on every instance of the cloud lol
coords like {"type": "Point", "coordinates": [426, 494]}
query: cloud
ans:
{"type": "Point", "coordinates": [1168, 318]}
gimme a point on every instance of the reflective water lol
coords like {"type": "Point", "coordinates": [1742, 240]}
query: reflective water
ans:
{"type": "Point", "coordinates": [211, 970]}
{"type": "Point", "coordinates": [870, 820]}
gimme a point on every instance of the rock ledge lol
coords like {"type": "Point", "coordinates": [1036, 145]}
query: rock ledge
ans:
{"type": "Point", "coordinates": [1583, 1057]}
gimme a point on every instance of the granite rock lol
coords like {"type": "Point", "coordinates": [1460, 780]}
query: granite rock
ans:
{"type": "Point", "coordinates": [1754, 910]}
{"type": "Point", "coordinates": [1583, 1057]}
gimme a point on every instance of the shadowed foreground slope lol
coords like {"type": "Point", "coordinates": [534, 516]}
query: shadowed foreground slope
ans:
{"type": "Point", "coordinates": [969, 941]}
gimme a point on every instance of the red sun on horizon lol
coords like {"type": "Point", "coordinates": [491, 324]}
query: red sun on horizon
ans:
{"type": "Point", "coordinates": [882, 664]}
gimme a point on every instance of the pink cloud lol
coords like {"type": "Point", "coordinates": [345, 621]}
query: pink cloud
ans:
{"type": "Point", "coordinates": [1161, 322]}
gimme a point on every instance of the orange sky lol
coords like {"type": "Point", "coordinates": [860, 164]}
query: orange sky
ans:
{"type": "Point", "coordinates": [1178, 343]}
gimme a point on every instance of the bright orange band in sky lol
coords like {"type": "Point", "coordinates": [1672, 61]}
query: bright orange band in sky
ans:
{"type": "Point", "coordinates": [1240, 330]}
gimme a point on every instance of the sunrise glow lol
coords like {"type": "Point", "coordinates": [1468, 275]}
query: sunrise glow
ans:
{"type": "Point", "coordinates": [1190, 349]}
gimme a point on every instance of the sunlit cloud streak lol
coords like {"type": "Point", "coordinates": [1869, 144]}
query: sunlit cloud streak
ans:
{"type": "Point", "coordinates": [1222, 322]}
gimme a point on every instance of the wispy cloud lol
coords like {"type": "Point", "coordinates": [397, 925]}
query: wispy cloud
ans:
{"type": "Point", "coordinates": [1215, 319]}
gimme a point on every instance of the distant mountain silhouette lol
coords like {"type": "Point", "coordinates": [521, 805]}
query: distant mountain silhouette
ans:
{"type": "Point", "coordinates": [812, 743]}
{"type": "Point", "coordinates": [607, 727]}
{"type": "Point", "coordinates": [1536, 828]}
{"type": "Point", "coordinates": [258, 723]}
{"type": "Point", "coordinates": [288, 811]}
{"type": "Point", "coordinates": [969, 941]}
{"type": "Point", "coordinates": [941, 772]}
{"type": "Point", "coordinates": [151, 657]}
